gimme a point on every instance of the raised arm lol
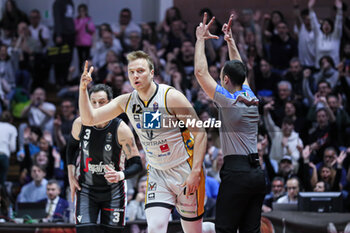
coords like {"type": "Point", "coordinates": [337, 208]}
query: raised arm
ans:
{"type": "Point", "coordinates": [231, 44]}
{"type": "Point", "coordinates": [200, 61]}
{"type": "Point", "coordinates": [183, 110]}
{"type": "Point", "coordinates": [90, 116]}
{"type": "Point", "coordinates": [297, 14]}
{"type": "Point", "coordinates": [232, 48]}
{"type": "Point", "coordinates": [315, 25]}
{"type": "Point", "coordinates": [338, 24]}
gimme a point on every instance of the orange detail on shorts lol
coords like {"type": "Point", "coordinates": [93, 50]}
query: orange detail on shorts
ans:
{"type": "Point", "coordinates": [201, 195]}
{"type": "Point", "coordinates": [188, 141]}
{"type": "Point", "coordinates": [147, 183]}
{"type": "Point", "coordinates": [200, 191]}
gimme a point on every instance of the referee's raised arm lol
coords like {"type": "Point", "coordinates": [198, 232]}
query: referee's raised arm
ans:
{"type": "Point", "coordinates": [200, 61]}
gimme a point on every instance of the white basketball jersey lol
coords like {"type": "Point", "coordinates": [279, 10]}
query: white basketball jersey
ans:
{"type": "Point", "coordinates": [165, 144]}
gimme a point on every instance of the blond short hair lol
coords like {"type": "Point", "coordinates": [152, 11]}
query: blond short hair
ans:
{"type": "Point", "coordinates": [140, 55]}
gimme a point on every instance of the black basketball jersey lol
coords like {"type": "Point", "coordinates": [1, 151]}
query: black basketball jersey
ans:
{"type": "Point", "coordinates": [99, 147]}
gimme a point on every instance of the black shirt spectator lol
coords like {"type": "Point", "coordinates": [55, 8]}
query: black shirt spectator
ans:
{"type": "Point", "coordinates": [283, 48]}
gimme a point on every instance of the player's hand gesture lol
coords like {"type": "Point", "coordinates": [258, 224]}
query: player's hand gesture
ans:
{"type": "Point", "coordinates": [202, 31]}
{"type": "Point", "coordinates": [191, 184]}
{"type": "Point", "coordinates": [227, 29]}
{"type": "Point", "coordinates": [111, 175]}
{"type": "Point", "coordinates": [85, 78]}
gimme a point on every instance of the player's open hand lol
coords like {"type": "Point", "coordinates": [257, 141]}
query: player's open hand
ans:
{"type": "Point", "coordinates": [111, 175]}
{"type": "Point", "coordinates": [202, 31]}
{"type": "Point", "coordinates": [85, 78]}
{"type": "Point", "coordinates": [227, 29]}
{"type": "Point", "coordinates": [192, 183]}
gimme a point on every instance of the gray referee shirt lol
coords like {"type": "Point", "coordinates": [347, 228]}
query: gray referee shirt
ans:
{"type": "Point", "coordinates": [239, 117]}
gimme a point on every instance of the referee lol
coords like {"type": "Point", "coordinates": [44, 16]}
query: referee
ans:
{"type": "Point", "coordinates": [242, 187]}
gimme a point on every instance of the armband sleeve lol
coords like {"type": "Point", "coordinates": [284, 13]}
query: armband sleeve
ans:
{"type": "Point", "coordinates": [134, 166]}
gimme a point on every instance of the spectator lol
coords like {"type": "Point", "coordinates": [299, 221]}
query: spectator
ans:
{"type": "Point", "coordinates": [56, 207]}
{"type": "Point", "coordinates": [27, 48]}
{"type": "Point", "coordinates": [40, 113]}
{"type": "Point", "coordinates": [35, 190]}
{"type": "Point", "coordinates": [277, 191]}
{"type": "Point", "coordinates": [331, 177]}
{"type": "Point", "coordinates": [328, 34]}
{"type": "Point", "coordinates": [285, 167]}
{"type": "Point", "coordinates": [171, 14]}
{"type": "Point", "coordinates": [149, 33]}
{"type": "Point", "coordinates": [342, 118]}
{"type": "Point", "coordinates": [51, 161]}
{"type": "Point", "coordinates": [8, 67]}
{"type": "Point", "coordinates": [290, 110]}
{"type": "Point", "coordinates": [175, 37]}
{"type": "Point", "coordinates": [284, 94]}
{"type": "Point", "coordinates": [330, 159]}
{"type": "Point", "coordinates": [328, 72]}
{"type": "Point", "coordinates": [270, 23]}
{"type": "Point", "coordinates": [216, 167]}
{"type": "Point", "coordinates": [284, 140]}
{"type": "Point", "coordinates": [344, 75]}
{"type": "Point", "coordinates": [38, 31]}
{"type": "Point", "coordinates": [266, 79]}
{"type": "Point", "coordinates": [293, 188]}
{"type": "Point", "coordinates": [8, 142]}
{"type": "Point", "coordinates": [12, 16]}
{"type": "Point", "coordinates": [85, 30]}
{"type": "Point", "coordinates": [136, 208]}
{"type": "Point", "coordinates": [64, 34]}
{"type": "Point", "coordinates": [29, 145]}
{"type": "Point", "coordinates": [135, 43]}
{"type": "Point", "coordinates": [306, 37]}
{"type": "Point", "coordinates": [125, 26]}
{"type": "Point", "coordinates": [283, 48]}
{"type": "Point", "coordinates": [47, 157]}
{"type": "Point", "coordinates": [295, 77]}
{"type": "Point", "coordinates": [63, 125]}
{"type": "Point", "coordinates": [323, 88]}
{"type": "Point", "coordinates": [322, 135]}
{"type": "Point", "coordinates": [101, 50]}
{"type": "Point", "coordinates": [321, 186]}
{"type": "Point", "coordinates": [117, 81]}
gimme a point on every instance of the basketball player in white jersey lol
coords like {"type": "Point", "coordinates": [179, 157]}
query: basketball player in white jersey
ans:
{"type": "Point", "coordinates": [175, 156]}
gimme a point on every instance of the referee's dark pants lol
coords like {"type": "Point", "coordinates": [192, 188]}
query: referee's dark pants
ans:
{"type": "Point", "coordinates": [241, 195]}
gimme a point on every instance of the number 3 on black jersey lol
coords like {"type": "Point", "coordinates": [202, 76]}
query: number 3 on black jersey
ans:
{"type": "Point", "coordinates": [87, 134]}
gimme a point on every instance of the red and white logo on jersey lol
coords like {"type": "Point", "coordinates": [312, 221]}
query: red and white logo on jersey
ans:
{"type": "Point", "coordinates": [99, 168]}
{"type": "Point", "coordinates": [164, 148]}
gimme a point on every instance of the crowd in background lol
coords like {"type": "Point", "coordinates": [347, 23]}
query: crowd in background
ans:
{"type": "Point", "coordinates": [299, 70]}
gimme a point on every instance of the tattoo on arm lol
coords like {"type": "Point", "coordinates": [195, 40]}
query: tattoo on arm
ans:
{"type": "Point", "coordinates": [128, 147]}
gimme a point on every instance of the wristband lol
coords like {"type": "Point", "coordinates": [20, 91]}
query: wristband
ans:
{"type": "Point", "coordinates": [121, 176]}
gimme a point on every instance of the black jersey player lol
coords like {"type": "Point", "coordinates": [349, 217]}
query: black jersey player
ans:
{"type": "Point", "coordinates": [101, 185]}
